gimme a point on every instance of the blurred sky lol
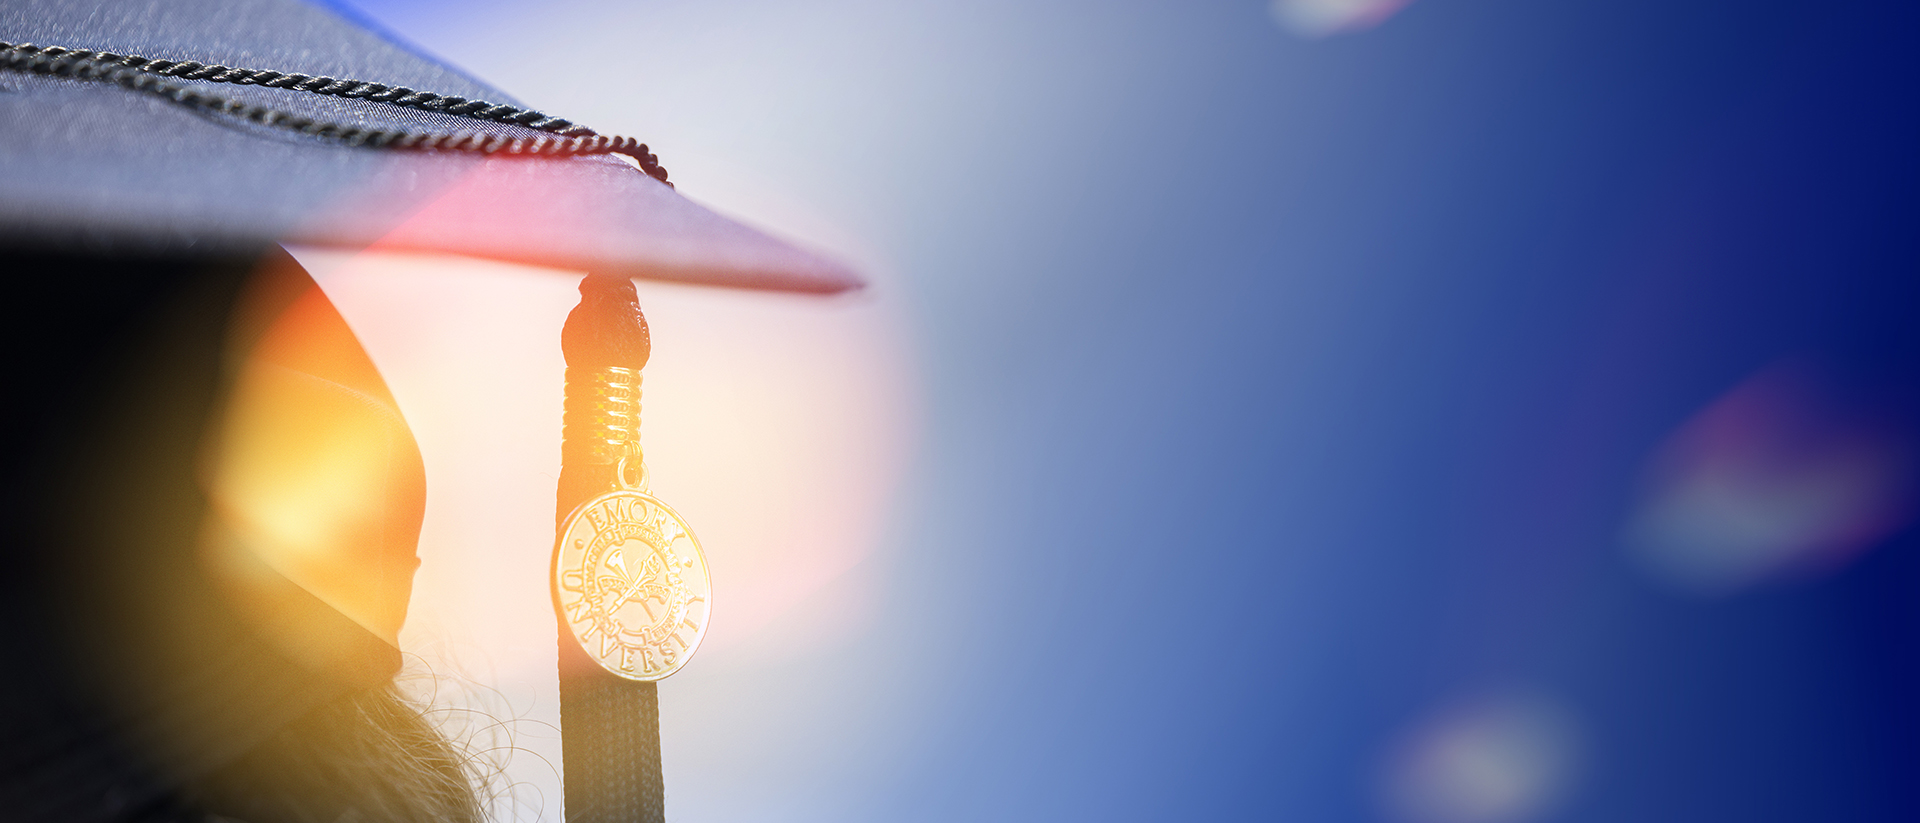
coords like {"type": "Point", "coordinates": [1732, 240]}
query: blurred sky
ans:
{"type": "Point", "coordinates": [1457, 412]}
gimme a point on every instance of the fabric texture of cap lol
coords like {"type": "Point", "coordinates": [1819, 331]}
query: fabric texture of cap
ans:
{"type": "Point", "coordinates": [89, 164]}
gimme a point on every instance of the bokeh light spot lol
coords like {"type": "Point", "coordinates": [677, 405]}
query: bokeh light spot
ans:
{"type": "Point", "coordinates": [1501, 758]}
{"type": "Point", "coordinates": [1772, 478]}
{"type": "Point", "coordinates": [1324, 18]}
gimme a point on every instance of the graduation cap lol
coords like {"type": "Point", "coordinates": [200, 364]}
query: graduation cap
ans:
{"type": "Point", "coordinates": [212, 500]}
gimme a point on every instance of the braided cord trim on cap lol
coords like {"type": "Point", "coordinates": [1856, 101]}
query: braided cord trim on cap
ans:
{"type": "Point", "coordinates": [358, 89]}
{"type": "Point", "coordinates": [156, 77]}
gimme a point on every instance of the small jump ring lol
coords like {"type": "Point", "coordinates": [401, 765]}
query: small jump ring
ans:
{"type": "Point", "coordinates": [620, 475]}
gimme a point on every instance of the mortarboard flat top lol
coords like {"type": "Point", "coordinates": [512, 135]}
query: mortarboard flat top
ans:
{"type": "Point", "coordinates": [88, 164]}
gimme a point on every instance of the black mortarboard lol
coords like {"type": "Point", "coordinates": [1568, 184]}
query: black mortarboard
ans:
{"type": "Point", "coordinates": [152, 157]}
{"type": "Point", "coordinates": [219, 124]}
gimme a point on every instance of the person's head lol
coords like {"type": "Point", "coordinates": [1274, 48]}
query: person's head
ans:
{"type": "Point", "coordinates": [212, 542]}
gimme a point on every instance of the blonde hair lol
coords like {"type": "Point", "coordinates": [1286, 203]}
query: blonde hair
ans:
{"type": "Point", "coordinates": [366, 756]}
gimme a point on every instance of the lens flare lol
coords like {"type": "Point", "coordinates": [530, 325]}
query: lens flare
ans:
{"type": "Point", "coordinates": [777, 425]}
{"type": "Point", "coordinates": [1497, 759]}
{"type": "Point", "coordinates": [315, 482]}
{"type": "Point", "coordinates": [1325, 18]}
{"type": "Point", "coordinates": [1771, 479]}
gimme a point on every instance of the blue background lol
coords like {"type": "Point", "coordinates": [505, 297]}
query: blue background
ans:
{"type": "Point", "coordinates": [1282, 389]}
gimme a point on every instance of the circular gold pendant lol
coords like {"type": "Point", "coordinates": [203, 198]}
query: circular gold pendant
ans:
{"type": "Point", "coordinates": [631, 582]}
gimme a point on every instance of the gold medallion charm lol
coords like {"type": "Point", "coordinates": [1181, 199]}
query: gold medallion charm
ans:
{"type": "Point", "coordinates": [631, 582]}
